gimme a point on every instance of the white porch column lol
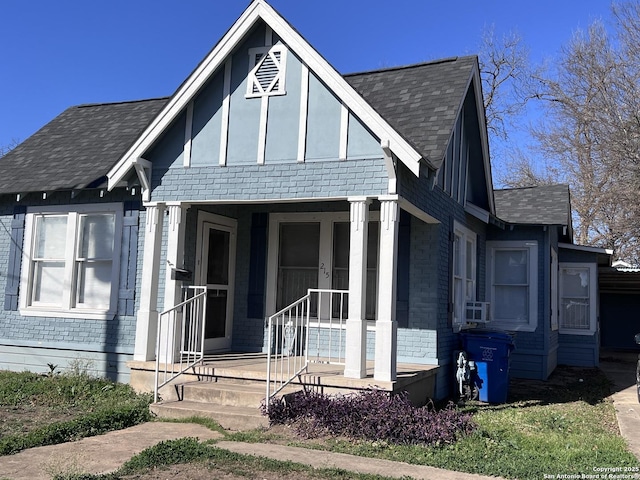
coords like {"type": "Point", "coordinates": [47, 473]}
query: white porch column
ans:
{"type": "Point", "coordinates": [170, 331]}
{"type": "Point", "coordinates": [386, 325]}
{"type": "Point", "coordinates": [147, 317]}
{"type": "Point", "coordinates": [356, 332]}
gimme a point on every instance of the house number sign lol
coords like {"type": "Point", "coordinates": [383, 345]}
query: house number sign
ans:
{"type": "Point", "coordinates": [324, 271]}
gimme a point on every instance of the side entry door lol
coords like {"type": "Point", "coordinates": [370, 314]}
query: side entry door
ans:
{"type": "Point", "coordinates": [216, 257]}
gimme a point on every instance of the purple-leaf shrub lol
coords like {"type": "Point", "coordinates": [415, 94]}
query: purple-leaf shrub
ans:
{"type": "Point", "coordinates": [370, 415]}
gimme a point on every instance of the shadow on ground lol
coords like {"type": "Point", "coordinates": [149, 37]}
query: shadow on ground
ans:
{"type": "Point", "coordinates": [571, 384]}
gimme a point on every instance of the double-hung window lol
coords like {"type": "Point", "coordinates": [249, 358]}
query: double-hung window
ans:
{"type": "Point", "coordinates": [70, 262]}
{"type": "Point", "coordinates": [464, 271]}
{"type": "Point", "coordinates": [513, 273]}
{"type": "Point", "coordinates": [578, 311]}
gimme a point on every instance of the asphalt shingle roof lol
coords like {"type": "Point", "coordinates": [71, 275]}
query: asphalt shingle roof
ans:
{"type": "Point", "coordinates": [543, 205]}
{"type": "Point", "coordinates": [77, 148]}
{"type": "Point", "coordinates": [420, 101]}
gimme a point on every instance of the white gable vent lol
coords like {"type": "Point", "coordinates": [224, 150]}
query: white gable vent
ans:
{"type": "Point", "coordinates": [266, 71]}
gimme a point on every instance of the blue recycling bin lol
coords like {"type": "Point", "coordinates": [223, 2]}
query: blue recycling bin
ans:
{"type": "Point", "coordinates": [490, 351]}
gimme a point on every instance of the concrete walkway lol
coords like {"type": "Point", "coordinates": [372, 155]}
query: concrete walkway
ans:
{"type": "Point", "coordinates": [106, 453]}
{"type": "Point", "coordinates": [625, 399]}
{"type": "Point", "coordinates": [100, 454]}
{"type": "Point", "coordinates": [351, 463]}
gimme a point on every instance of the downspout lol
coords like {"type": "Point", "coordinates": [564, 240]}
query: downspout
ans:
{"type": "Point", "coordinates": [391, 167]}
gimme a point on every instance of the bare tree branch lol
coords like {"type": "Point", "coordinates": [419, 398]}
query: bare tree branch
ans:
{"type": "Point", "coordinates": [592, 130]}
{"type": "Point", "coordinates": [4, 149]}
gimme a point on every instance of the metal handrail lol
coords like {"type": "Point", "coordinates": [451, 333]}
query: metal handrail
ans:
{"type": "Point", "coordinates": [190, 313]}
{"type": "Point", "coordinates": [289, 331]}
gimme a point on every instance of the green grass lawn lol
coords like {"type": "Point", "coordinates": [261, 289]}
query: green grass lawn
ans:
{"type": "Point", "coordinates": [38, 409]}
{"type": "Point", "coordinates": [561, 427]}
{"type": "Point", "coordinates": [519, 441]}
{"type": "Point", "coordinates": [565, 426]}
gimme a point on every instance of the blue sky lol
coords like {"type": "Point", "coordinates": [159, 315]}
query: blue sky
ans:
{"type": "Point", "coordinates": [55, 54]}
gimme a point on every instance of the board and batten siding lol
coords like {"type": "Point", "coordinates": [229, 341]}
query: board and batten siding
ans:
{"type": "Point", "coordinates": [303, 143]}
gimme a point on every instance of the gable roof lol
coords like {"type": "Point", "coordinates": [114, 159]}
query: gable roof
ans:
{"type": "Point", "coordinates": [256, 11]}
{"type": "Point", "coordinates": [421, 101]}
{"type": "Point", "coordinates": [413, 107]}
{"type": "Point", "coordinates": [77, 148]}
{"type": "Point", "coordinates": [542, 205]}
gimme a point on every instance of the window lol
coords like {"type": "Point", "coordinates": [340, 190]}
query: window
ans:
{"type": "Point", "coordinates": [266, 71]}
{"type": "Point", "coordinates": [513, 273]}
{"type": "Point", "coordinates": [71, 260]}
{"type": "Point", "coordinates": [578, 298]}
{"type": "Point", "coordinates": [464, 271]}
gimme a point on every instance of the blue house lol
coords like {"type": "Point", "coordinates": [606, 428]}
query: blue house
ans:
{"type": "Point", "coordinates": [171, 228]}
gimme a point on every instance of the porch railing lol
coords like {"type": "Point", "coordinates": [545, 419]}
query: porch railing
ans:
{"type": "Point", "coordinates": [311, 329]}
{"type": "Point", "coordinates": [180, 338]}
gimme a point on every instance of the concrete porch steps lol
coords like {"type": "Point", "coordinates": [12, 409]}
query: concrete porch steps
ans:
{"type": "Point", "coordinates": [230, 387]}
{"type": "Point", "coordinates": [229, 417]}
{"type": "Point", "coordinates": [235, 406]}
{"type": "Point", "coordinates": [225, 393]}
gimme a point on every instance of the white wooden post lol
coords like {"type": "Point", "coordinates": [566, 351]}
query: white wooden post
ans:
{"type": "Point", "coordinates": [356, 325]}
{"type": "Point", "coordinates": [147, 317]}
{"type": "Point", "coordinates": [386, 325]}
{"type": "Point", "coordinates": [170, 330]}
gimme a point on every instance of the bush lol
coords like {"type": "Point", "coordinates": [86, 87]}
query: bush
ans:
{"type": "Point", "coordinates": [370, 415]}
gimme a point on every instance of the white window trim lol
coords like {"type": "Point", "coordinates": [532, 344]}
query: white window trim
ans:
{"type": "Point", "coordinates": [466, 235]}
{"type": "Point", "coordinates": [26, 272]}
{"type": "Point", "coordinates": [593, 313]}
{"type": "Point", "coordinates": [554, 290]}
{"type": "Point", "coordinates": [326, 220]}
{"type": "Point", "coordinates": [532, 246]}
{"type": "Point", "coordinates": [253, 68]}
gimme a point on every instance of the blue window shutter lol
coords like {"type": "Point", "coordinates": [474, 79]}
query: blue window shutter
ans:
{"type": "Point", "coordinates": [257, 265]}
{"type": "Point", "coordinates": [12, 286]}
{"type": "Point", "coordinates": [404, 263]}
{"type": "Point", "coordinates": [128, 258]}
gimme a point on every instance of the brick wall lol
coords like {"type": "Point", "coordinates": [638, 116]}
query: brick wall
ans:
{"type": "Point", "coordinates": [45, 337]}
{"type": "Point", "coordinates": [264, 182]}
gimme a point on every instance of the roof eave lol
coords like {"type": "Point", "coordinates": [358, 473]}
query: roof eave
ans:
{"type": "Point", "coordinates": [484, 137]}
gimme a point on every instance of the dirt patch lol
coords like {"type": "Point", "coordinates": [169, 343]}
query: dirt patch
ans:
{"type": "Point", "coordinates": [564, 385]}
{"type": "Point", "coordinates": [26, 418]}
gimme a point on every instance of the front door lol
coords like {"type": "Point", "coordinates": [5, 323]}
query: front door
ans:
{"type": "Point", "coordinates": [216, 253]}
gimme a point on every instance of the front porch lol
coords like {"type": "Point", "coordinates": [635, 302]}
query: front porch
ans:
{"type": "Point", "coordinates": [256, 259]}
{"type": "Point", "coordinates": [242, 263]}
{"type": "Point", "coordinates": [230, 387]}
